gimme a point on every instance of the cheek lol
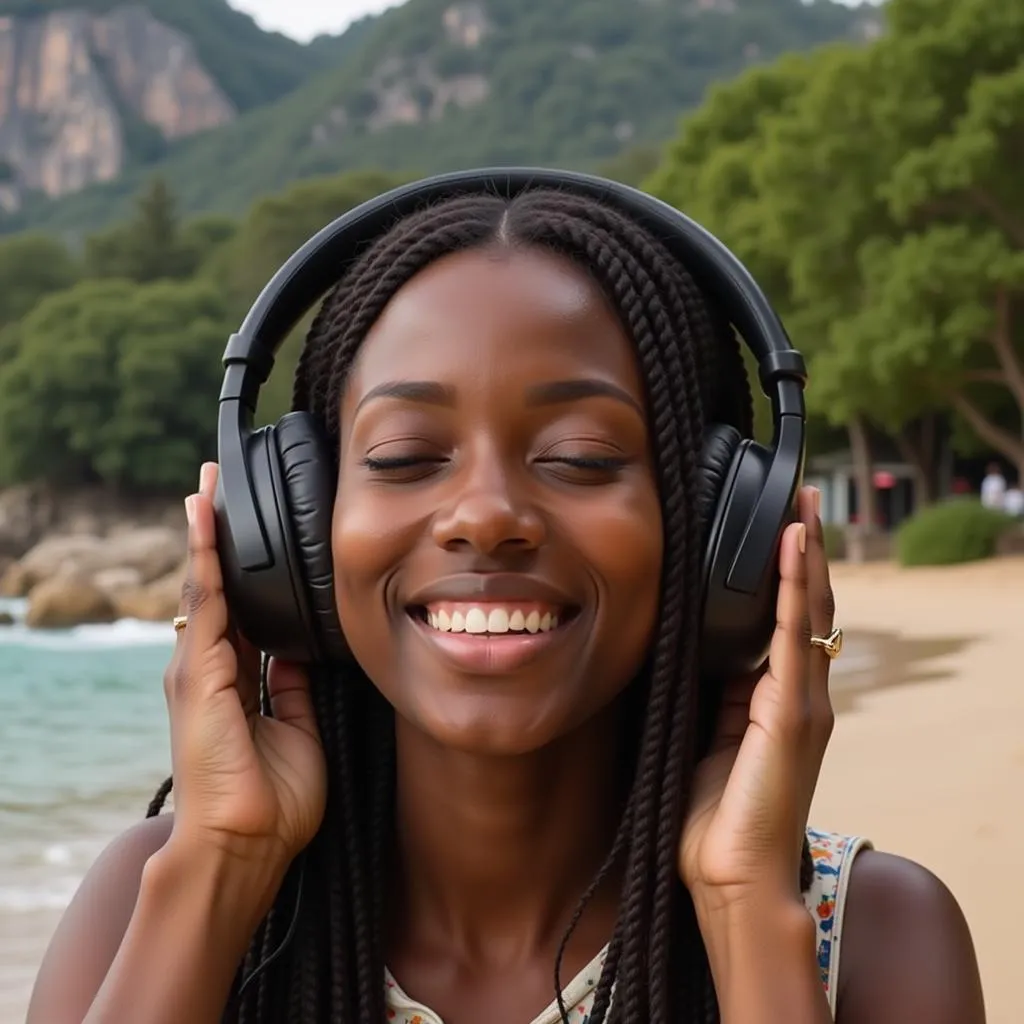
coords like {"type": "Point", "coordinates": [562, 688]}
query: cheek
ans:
{"type": "Point", "coordinates": [623, 542]}
{"type": "Point", "coordinates": [366, 546]}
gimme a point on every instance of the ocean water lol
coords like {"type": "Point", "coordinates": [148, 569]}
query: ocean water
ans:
{"type": "Point", "coordinates": [83, 745]}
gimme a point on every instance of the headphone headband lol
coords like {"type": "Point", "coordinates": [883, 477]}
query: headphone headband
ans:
{"type": "Point", "coordinates": [314, 268]}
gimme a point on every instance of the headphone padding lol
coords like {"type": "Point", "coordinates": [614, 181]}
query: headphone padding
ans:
{"type": "Point", "coordinates": [309, 482]}
{"type": "Point", "coordinates": [721, 442]}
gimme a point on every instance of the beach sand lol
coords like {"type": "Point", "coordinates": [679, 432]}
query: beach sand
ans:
{"type": "Point", "coordinates": [927, 758]}
{"type": "Point", "coordinates": [932, 766]}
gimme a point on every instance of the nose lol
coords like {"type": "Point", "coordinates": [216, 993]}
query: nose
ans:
{"type": "Point", "coordinates": [487, 515]}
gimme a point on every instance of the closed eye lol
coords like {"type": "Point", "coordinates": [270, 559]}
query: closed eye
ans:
{"type": "Point", "coordinates": [383, 465]}
{"type": "Point", "coordinates": [607, 463]}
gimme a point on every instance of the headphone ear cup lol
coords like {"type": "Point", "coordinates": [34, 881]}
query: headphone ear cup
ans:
{"type": "Point", "coordinates": [737, 626]}
{"type": "Point", "coordinates": [721, 442]}
{"type": "Point", "coordinates": [309, 482]}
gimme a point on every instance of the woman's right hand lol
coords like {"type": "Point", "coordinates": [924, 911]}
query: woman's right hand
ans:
{"type": "Point", "coordinates": [249, 785]}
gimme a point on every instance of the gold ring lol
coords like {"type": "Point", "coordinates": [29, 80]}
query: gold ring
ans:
{"type": "Point", "coordinates": [180, 622]}
{"type": "Point", "coordinates": [832, 644]}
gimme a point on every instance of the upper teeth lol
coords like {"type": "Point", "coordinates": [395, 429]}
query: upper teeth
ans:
{"type": "Point", "coordinates": [492, 620]}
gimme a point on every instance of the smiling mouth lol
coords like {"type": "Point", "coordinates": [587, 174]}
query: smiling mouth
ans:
{"type": "Point", "coordinates": [493, 620]}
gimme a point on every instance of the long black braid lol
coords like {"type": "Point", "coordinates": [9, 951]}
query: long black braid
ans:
{"type": "Point", "coordinates": [333, 969]}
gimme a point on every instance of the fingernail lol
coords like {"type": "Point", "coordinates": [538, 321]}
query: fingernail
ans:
{"type": "Point", "coordinates": [190, 509]}
{"type": "Point", "coordinates": [801, 539]}
{"type": "Point", "coordinates": [816, 494]}
{"type": "Point", "coordinates": [204, 476]}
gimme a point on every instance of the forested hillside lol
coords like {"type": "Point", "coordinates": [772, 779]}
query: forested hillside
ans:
{"type": "Point", "coordinates": [252, 66]}
{"type": "Point", "coordinates": [436, 84]}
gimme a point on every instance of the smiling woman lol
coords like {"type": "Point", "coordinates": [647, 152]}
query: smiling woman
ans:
{"type": "Point", "coordinates": [514, 470]}
{"type": "Point", "coordinates": [526, 433]}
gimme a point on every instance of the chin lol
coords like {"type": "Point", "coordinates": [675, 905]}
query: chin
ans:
{"type": "Point", "coordinates": [489, 724]}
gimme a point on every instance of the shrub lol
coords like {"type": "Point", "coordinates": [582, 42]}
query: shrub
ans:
{"type": "Point", "coordinates": [958, 530]}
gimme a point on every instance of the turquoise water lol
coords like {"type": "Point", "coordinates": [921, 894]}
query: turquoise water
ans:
{"type": "Point", "coordinates": [83, 745]}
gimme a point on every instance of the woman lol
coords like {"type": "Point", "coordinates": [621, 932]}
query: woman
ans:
{"type": "Point", "coordinates": [517, 783]}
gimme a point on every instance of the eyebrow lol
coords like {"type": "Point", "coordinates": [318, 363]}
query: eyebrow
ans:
{"type": "Point", "coordinates": [429, 392]}
{"type": "Point", "coordinates": [557, 392]}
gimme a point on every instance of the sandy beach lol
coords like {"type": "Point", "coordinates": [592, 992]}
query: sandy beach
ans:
{"type": "Point", "coordinates": [927, 758]}
{"type": "Point", "coordinates": [932, 766]}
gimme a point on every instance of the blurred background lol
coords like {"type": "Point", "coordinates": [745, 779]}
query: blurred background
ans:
{"type": "Point", "coordinates": [159, 160]}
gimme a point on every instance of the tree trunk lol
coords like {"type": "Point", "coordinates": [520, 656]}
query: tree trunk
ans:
{"type": "Point", "coordinates": [1010, 375]}
{"type": "Point", "coordinates": [863, 476]}
{"type": "Point", "coordinates": [995, 436]}
{"type": "Point", "coordinates": [918, 444]}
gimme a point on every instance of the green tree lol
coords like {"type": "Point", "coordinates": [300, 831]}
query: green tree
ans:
{"type": "Point", "coordinates": [149, 247]}
{"type": "Point", "coordinates": [708, 173]}
{"type": "Point", "coordinates": [114, 382]}
{"type": "Point", "coordinates": [279, 224]}
{"type": "Point", "coordinates": [272, 230]}
{"type": "Point", "coordinates": [31, 267]}
{"type": "Point", "coordinates": [206, 235]}
{"type": "Point", "coordinates": [904, 223]}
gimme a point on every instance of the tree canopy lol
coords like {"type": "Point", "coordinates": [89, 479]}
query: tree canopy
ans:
{"type": "Point", "coordinates": [873, 190]}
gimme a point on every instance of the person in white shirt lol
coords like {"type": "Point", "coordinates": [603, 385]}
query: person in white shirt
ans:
{"type": "Point", "coordinates": [993, 487]}
{"type": "Point", "coordinates": [1013, 502]}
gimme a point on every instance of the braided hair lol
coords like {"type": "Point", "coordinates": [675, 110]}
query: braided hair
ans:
{"type": "Point", "coordinates": [333, 965]}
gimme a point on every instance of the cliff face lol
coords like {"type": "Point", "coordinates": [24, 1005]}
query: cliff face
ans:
{"type": "Point", "coordinates": [70, 83]}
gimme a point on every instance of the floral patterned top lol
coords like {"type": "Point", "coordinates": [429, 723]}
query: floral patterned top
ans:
{"type": "Point", "coordinates": [825, 900]}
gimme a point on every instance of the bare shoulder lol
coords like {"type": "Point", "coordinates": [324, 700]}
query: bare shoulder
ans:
{"type": "Point", "coordinates": [90, 932]}
{"type": "Point", "coordinates": [907, 950]}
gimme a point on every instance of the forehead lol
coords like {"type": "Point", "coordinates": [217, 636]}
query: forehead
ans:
{"type": "Point", "coordinates": [487, 318]}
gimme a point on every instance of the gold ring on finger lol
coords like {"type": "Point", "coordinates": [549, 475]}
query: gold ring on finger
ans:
{"type": "Point", "coordinates": [832, 644]}
{"type": "Point", "coordinates": [180, 622]}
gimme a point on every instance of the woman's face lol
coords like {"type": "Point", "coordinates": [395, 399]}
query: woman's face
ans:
{"type": "Point", "coordinates": [497, 533]}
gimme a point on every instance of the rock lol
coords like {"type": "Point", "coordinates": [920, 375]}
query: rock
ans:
{"type": "Point", "coordinates": [153, 551]}
{"type": "Point", "coordinates": [26, 513]}
{"type": "Point", "coordinates": [157, 602]}
{"type": "Point", "coordinates": [50, 559]}
{"type": "Point", "coordinates": [14, 582]}
{"type": "Point", "coordinates": [121, 578]}
{"type": "Point", "coordinates": [63, 602]}
{"type": "Point", "coordinates": [6, 619]}
{"type": "Point", "coordinates": [148, 553]}
{"type": "Point", "coordinates": [87, 75]}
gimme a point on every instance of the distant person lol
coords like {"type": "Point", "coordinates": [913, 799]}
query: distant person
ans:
{"type": "Point", "coordinates": [516, 771]}
{"type": "Point", "coordinates": [993, 487]}
{"type": "Point", "coordinates": [1013, 502]}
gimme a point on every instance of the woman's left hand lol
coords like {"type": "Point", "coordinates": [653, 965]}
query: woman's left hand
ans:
{"type": "Point", "coordinates": [744, 832]}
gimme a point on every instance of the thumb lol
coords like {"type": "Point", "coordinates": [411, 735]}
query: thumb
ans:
{"type": "Point", "coordinates": [290, 700]}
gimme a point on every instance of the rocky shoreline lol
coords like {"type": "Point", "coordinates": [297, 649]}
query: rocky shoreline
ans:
{"type": "Point", "coordinates": [90, 557]}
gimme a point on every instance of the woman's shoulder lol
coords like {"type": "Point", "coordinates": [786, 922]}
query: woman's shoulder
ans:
{"type": "Point", "coordinates": [92, 927]}
{"type": "Point", "coordinates": [893, 943]}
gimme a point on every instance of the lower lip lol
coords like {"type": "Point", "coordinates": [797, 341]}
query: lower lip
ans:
{"type": "Point", "coordinates": [490, 653]}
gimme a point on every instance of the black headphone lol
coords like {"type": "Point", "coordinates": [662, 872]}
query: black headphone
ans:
{"type": "Point", "coordinates": [275, 493]}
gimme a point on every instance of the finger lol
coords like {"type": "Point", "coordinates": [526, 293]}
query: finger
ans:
{"type": "Point", "coordinates": [820, 599]}
{"type": "Point", "coordinates": [787, 656]}
{"type": "Point", "coordinates": [202, 596]}
{"type": "Point", "coordinates": [290, 698]}
{"type": "Point", "coordinates": [821, 613]}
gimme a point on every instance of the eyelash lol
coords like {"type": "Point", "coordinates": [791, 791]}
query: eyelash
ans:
{"type": "Point", "coordinates": [395, 462]}
{"type": "Point", "coordinates": [607, 463]}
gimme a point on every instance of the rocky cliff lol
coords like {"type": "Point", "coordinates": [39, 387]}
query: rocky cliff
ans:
{"type": "Point", "coordinates": [75, 84]}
